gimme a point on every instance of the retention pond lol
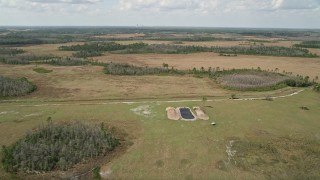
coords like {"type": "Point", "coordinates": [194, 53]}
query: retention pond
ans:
{"type": "Point", "coordinates": [186, 114]}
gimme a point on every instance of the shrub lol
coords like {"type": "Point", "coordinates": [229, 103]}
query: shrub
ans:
{"type": "Point", "coordinates": [42, 70]}
{"type": "Point", "coordinates": [15, 87]}
{"type": "Point", "coordinates": [58, 146]}
{"type": "Point", "coordinates": [316, 87]}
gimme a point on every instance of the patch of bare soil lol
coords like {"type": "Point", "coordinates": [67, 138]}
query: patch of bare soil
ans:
{"type": "Point", "coordinates": [200, 113]}
{"type": "Point", "coordinates": [173, 113]}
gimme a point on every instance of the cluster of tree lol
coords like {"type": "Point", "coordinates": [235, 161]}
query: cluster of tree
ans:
{"type": "Point", "coordinates": [126, 69]}
{"type": "Point", "coordinates": [15, 87]}
{"type": "Point", "coordinates": [299, 81]}
{"type": "Point", "coordinates": [58, 146]}
{"type": "Point", "coordinates": [66, 61]}
{"type": "Point", "coordinates": [308, 44]}
{"type": "Point", "coordinates": [11, 51]}
{"type": "Point", "coordinates": [97, 49]}
{"type": "Point", "coordinates": [85, 54]}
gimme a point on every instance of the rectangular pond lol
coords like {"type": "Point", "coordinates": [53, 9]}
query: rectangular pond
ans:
{"type": "Point", "coordinates": [186, 114]}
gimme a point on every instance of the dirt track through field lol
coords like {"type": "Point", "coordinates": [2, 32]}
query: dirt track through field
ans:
{"type": "Point", "coordinates": [163, 101]}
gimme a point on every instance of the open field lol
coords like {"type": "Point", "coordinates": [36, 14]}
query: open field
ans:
{"type": "Point", "coordinates": [89, 83]}
{"type": "Point", "coordinates": [165, 149]}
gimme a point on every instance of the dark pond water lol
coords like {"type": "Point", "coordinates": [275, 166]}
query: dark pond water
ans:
{"type": "Point", "coordinates": [186, 113]}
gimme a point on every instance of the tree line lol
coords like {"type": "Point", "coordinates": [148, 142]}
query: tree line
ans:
{"type": "Point", "coordinates": [96, 49]}
{"type": "Point", "coordinates": [126, 69]}
{"type": "Point", "coordinates": [308, 44]}
{"type": "Point", "coordinates": [58, 146]}
{"type": "Point", "coordinates": [53, 60]}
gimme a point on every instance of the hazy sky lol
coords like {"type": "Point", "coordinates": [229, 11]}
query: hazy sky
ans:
{"type": "Point", "coordinates": [205, 13]}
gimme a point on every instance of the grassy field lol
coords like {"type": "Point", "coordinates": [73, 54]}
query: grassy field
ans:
{"type": "Point", "coordinates": [165, 149]}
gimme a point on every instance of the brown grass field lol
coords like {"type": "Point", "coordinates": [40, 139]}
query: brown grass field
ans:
{"type": "Point", "coordinates": [303, 66]}
{"type": "Point", "coordinates": [90, 83]}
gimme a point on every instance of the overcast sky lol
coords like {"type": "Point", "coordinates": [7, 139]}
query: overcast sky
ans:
{"type": "Point", "coordinates": [204, 13]}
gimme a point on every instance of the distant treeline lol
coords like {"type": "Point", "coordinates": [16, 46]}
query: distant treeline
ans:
{"type": "Point", "coordinates": [14, 39]}
{"type": "Point", "coordinates": [251, 50]}
{"type": "Point", "coordinates": [15, 87]}
{"type": "Point", "coordinates": [97, 49]}
{"type": "Point", "coordinates": [308, 44]}
{"type": "Point", "coordinates": [172, 38]}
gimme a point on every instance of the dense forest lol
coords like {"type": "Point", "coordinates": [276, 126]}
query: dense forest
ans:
{"type": "Point", "coordinates": [58, 147]}
{"type": "Point", "coordinates": [308, 44]}
{"type": "Point", "coordinates": [15, 87]}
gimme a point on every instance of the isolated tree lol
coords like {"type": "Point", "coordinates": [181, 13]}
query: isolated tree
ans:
{"type": "Point", "coordinates": [204, 100]}
{"type": "Point", "coordinates": [166, 66]}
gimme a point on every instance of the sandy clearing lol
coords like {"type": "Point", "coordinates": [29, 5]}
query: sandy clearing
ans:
{"type": "Point", "coordinates": [200, 113]}
{"type": "Point", "coordinates": [314, 51]}
{"type": "Point", "coordinates": [173, 113]}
